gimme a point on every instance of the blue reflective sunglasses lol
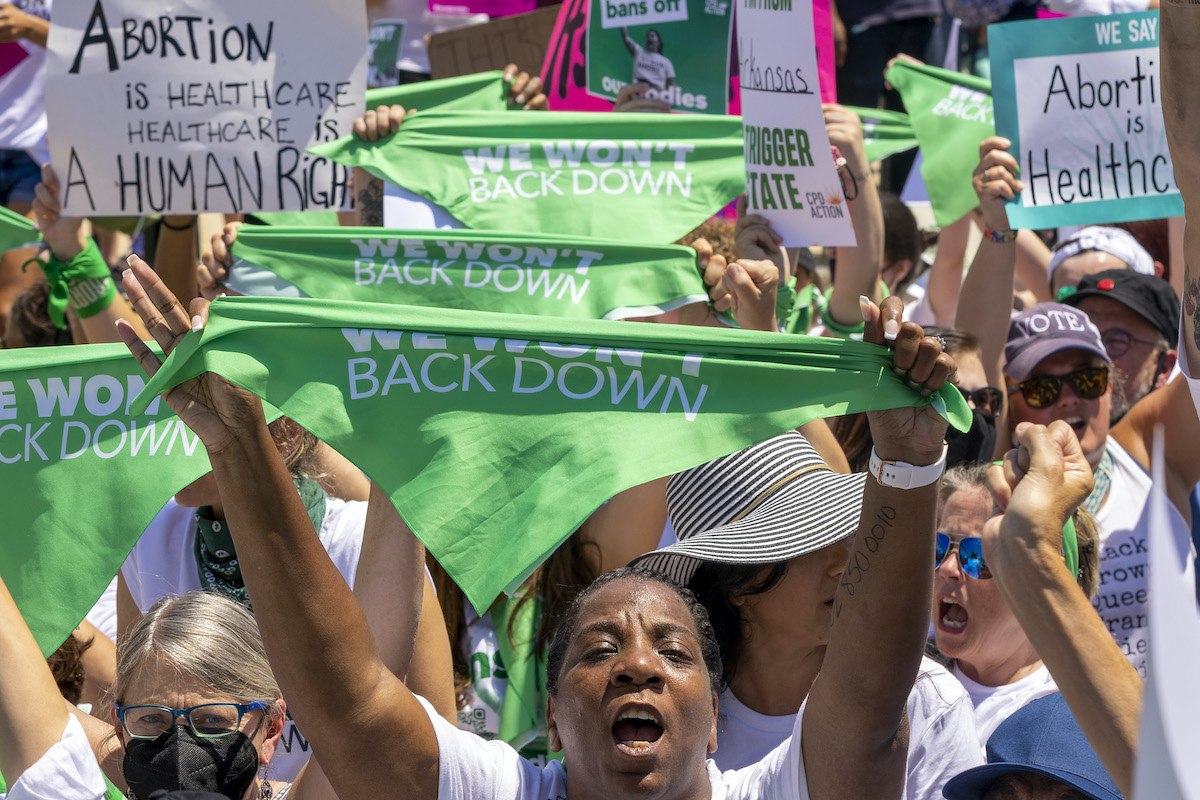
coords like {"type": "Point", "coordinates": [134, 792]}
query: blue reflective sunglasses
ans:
{"type": "Point", "coordinates": [970, 555]}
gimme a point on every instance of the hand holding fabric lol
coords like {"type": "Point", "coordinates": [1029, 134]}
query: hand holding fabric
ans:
{"type": "Point", "coordinates": [752, 287]}
{"type": "Point", "coordinates": [216, 262]}
{"type": "Point", "coordinates": [525, 91]}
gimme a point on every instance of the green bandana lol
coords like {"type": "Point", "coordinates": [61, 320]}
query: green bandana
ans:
{"type": "Point", "coordinates": [885, 133]}
{"type": "Point", "coordinates": [220, 570]}
{"type": "Point", "coordinates": [83, 476]}
{"type": "Point", "coordinates": [84, 283]}
{"type": "Point", "coordinates": [523, 712]}
{"type": "Point", "coordinates": [634, 177]}
{"type": "Point", "coordinates": [797, 309]}
{"type": "Point", "coordinates": [516, 273]}
{"type": "Point", "coordinates": [521, 423]}
{"type": "Point", "coordinates": [15, 231]}
{"type": "Point", "coordinates": [951, 114]}
{"type": "Point", "coordinates": [484, 91]}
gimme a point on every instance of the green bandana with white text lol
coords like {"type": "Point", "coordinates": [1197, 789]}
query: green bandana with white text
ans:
{"type": "Point", "coordinates": [951, 113]}
{"type": "Point", "coordinates": [635, 177]}
{"type": "Point", "coordinates": [82, 476]}
{"type": "Point", "coordinates": [481, 270]}
{"type": "Point", "coordinates": [513, 429]}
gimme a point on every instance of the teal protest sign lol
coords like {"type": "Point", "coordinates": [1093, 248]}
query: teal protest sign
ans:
{"type": "Point", "coordinates": [1080, 100]}
{"type": "Point", "coordinates": [83, 476]}
{"type": "Point", "coordinates": [515, 428]}
{"type": "Point", "coordinates": [634, 177]}
{"type": "Point", "coordinates": [680, 48]}
{"type": "Point", "coordinates": [483, 91]}
{"type": "Point", "coordinates": [516, 273]}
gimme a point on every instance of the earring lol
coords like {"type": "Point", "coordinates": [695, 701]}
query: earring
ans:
{"type": "Point", "coordinates": [266, 790]}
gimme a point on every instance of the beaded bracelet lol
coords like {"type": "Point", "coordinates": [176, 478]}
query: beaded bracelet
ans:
{"type": "Point", "coordinates": [1000, 237]}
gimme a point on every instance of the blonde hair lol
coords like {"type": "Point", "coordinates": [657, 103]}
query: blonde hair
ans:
{"type": "Point", "coordinates": [206, 636]}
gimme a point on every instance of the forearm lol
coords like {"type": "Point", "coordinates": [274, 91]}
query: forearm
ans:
{"type": "Point", "coordinates": [858, 267]}
{"type": "Point", "coordinates": [1033, 264]}
{"type": "Point", "coordinates": [946, 275]}
{"type": "Point", "coordinates": [175, 255]}
{"type": "Point", "coordinates": [37, 30]}
{"type": "Point", "coordinates": [368, 198]}
{"type": "Point", "coordinates": [984, 304]}
{"type": "Point", "coordinates": [1101, 687]}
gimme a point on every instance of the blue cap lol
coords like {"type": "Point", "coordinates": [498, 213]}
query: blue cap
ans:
{"type": "Point", "coordinates": [1043, 737]}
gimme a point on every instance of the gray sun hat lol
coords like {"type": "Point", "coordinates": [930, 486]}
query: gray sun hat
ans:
{"type": "Point", "coordinates": [768, 503]}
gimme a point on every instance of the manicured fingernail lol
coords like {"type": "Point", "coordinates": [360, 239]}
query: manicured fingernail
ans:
{"type": "Point", "coordinates": [521, 98]}
{"type": "Point", "coordinates": [891, 329]}
{"type": "Point", "coordinates": [913, 385]}
{"type": "Point", "coordinates": [222, 294]}
{"type": "Point", "coordinates": [129, 259]}
{"type": "Point", "coordinates": [864, 305]}
{"type": "Point", "coordinates": [197, 323]}
{"type": "Point", "coordinates": [126, 273]}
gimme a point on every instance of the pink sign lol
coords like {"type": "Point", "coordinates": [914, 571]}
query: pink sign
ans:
{"type": "Point", "coordinates": [823, 35]}
{"type": "Point", "coordinates": [564, 73]}
{"type": "Point", "coordinates": [493, 8]}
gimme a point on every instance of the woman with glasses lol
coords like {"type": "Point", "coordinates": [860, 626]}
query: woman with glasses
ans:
{"type": "Point", "coordinates": [972, 623]}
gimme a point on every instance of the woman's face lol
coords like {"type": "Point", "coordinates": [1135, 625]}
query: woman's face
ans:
{"type": "Point", "coordinates": [800, 607]}
{"type": "Point", "coordinates": [653, 42]}
{"type": "Point", "coordinates": [971, 621]}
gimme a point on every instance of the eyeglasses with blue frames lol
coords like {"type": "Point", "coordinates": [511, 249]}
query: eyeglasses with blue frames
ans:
{"type": "Point", "coordinates": [209, 720]}
{"type": "Point", "coordinates": [970, 555]}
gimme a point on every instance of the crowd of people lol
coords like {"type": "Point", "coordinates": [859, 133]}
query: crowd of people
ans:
{"type": "Point", "coordinates": [869, 606]}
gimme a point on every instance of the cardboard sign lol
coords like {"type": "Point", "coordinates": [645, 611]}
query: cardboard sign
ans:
{"type": "Point", "coordinates": [1080, 100]}
{"type": "Point", "coordinates": [790, 176]}
{"type": "Point", "coordinates": [679, 47]}
{"type": "Point", "coordinates": [521, 39]}
{"type": "Point", "coordinates": [187, 106]}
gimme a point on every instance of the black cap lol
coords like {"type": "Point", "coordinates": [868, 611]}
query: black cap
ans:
{"type": "Point", "coordinates": [1149, 296]}
{"type": "Point", "coordinates": [180, 794]}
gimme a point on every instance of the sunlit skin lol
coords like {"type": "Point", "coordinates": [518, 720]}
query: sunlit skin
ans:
{"type": "Point", "coordinates": [635, 649]}
{"type": "Point", "coordinates": [1139, 364]}
{"type": "Point", "coordinates": [1074, 269]}
{"type": "Point", "coordinates": [970, 375]}
{"type": "Point", "coordinates": [971, 621]}
{"type": "Point", "coordinates": [1031, 786]}
{"type": "Point", "coordinates": [158, 683]}
{"type": "Point", "coordinates": [1088, 418]}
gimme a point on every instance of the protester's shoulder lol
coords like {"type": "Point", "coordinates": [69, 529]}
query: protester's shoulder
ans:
{"type": "Point", "coordinates": [342, 533]}
{"type": "Point", "coordinates": [67, 771]}
{"type": "Point", "coordinates": [779, 775]}
{"type": "Point", "coordinates": [936, 686]}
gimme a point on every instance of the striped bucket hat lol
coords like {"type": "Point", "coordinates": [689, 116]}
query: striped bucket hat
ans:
{"type": "Point", "coordinates": [768, 503]}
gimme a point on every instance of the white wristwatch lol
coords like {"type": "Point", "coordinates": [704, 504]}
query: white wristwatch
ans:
{"type": "Point", "coordinates": [902, 475]}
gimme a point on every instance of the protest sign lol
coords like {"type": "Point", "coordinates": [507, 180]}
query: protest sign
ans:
{"type": "Point", "coordinates": [885, 132]}
{"type": "Point", "coordinates": [497, 9]}
{"type": "Point", "coordinates": [635, 177]}
{"type": "Point", "coordinates": [483, 91]}
{"type": "Point", "coordinates": [16, 231]}
{"type": "Point", "coordinates": [680, 48]}
{"type": "Point", "coordinates": [515, 273]}
{"type": "Point", "coordinates": [383, 52]}
{"type": "Point", "coordinates": [521, 39]}
{"type": "Point", "coordinates": [205, 111]}
{"type": "Point", "coordinates": [83, 476]}
{"type": "Point", "coordinates": [564, 73]}
{"type": "Point", "coordinates": [569, 412]}
{"type": "Point", "coordinates": [951, 113]}
{"type": "Point", "coordinates": [1079, 98]}
{"type": "Point", "coordinates": [790, 175]}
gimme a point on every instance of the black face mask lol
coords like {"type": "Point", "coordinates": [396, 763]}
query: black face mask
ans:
{"type": "Point", "coordinates": [974, 446]}
{"type": "Point", "coordinates": [178, 759]}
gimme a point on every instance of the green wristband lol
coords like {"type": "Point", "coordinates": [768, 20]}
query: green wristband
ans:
{"type": "Point", "coordinates": [84, 284]}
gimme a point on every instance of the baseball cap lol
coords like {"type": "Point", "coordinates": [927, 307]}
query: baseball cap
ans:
{"type": "Point", "coordinates": [1044, 330]}
{"type": "Point", "coordinates": [1044, 738]}
{"type": "Point", "coordinates": [1149, 296]}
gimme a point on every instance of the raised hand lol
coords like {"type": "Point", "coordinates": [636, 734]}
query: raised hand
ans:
{"type": "Point", "coordinates": [216, 262]}
{"type": "Point", "coordinates": [995, 180]}
{"type": "Point", "coordinates": [64, 235]}
{"type": "Point", "coordinates": [525, 91]}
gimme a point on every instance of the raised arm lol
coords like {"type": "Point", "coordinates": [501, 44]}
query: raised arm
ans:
{"type": "Point", "coordinates": [1048, 476]}
{"type": "Point", "coordinates": [630, 45]}
{"type": "Point", "coordinates": [855, 734]}
{"type": "Point", "coordinates": [352, 705]}
{"type": "Point", "coordinates": [857, 267]}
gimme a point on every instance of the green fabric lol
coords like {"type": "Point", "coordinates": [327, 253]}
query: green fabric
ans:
{"type": "Point", "coordinates": [71, 284]}
{"type": "Point", "coordinates": [216, 559]}
{"type": "Point", "coordinates": [951, 114]}
{"type": "Point", "coordinates": [513, 428]}
{"type": "Point", "coordinates": [82, 476]}
{"type": "Point", "coordinates": [483, 91]}
{"type": "Point", "coordinates": [297, 219]}
{"type": "Point", "coordinates": [885, 133]}
{"type": "Point", "coordinates": [798, 315]}
{"type": "Point", "coordinates": [635, 177]}
{"type": "Point", "coordinates": [15, 231]}
{"type": "Point", "coordinates": [110, 792]}
{"type": "Point", "coordinates": [482, 270]}
{"type": "Point", "coordinates": [523, 712]}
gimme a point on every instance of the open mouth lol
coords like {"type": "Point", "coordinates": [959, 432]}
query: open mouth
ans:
{"type": "Point", "coordinates": [636, 731]}
{"type": "Point", "coordinates": [951, 616]}
{"type": "Point", "coordinates": [1078, 424]}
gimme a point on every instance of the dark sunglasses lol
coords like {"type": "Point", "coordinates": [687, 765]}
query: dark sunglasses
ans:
{"type": "Point", "coordinates": [986, 400]}
{"type": "Point", "coordinates": [970, 555]}
{"type": "Point", "coordinates": [1041, 391]}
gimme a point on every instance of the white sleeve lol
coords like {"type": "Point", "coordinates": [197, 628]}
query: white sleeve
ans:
{"type": "Point", "coordinates": [1093, 8]}
{"type": "Point", "coordinates": [470, 768]}
{"type": "Point", "coordinates": [779, 776]}
{"type": "Point", "coordinates": [67, 771]}
{"type": "Point", "coordinates": [942, 738]}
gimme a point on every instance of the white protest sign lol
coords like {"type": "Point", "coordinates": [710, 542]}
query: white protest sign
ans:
{"type": "Point", "coordinates": [618, 13]}
{"type": "Point", "coordinates": [790, 176]}
{"type": "Point", "coordinates": [1080, 100]}
{"type": "Point", "coordinates": [183, 106]}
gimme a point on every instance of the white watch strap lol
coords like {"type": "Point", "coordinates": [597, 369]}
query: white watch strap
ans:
{"type": "Point", "coordinates": [902, 475]}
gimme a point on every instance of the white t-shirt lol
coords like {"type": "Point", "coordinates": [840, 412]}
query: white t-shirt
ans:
{"type": "Point", "coordinates": [652, 68]}
{"type": "Point", "coordinates": [941, 733]}
{"type": "Point", "coordinates": [23, 90]}
{"type": "Point", "coordinates": [163, 563]}
{"type": "Point", "coordinates": [994, 704]}
{"type": "Point", "coordinates": [473, 769]}
{"type": "Point", "coordinates": [67, 771]}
